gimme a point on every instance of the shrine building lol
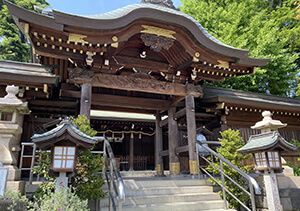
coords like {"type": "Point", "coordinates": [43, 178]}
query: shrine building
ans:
{"type": "Point", "coordinates": [138, 74]}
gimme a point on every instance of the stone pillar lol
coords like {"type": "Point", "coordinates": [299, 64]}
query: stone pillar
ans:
{"type": "Point", "coordinates": [272, 192]}
{"type": "Point", "coordinates": [86, 99]}
{"type": "Point", "coordinates": [12, 111]}
{"type": "Point", "coordinates": [191, 132]}
{"type": "Point", "coordinates": [174, 164]}
{"type": "Point", "coordinates": [158, 146]}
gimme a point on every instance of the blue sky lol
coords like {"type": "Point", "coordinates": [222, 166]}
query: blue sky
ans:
{"type": "Point", "coordinates": [90, 7]}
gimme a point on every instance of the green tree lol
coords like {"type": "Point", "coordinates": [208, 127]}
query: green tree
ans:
{"type": "Point", "coordinates": [269, 29]}
{"type": "Point", "coordinates": [231, 141]}
{"type": "Point", "coordinates": [83, 123]}
{"type": "Point", "coordinates": [13, 45]}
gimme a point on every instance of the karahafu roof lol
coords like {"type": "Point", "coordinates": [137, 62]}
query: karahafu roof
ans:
{"type": "Point", "coordinates": [267, 141]}
{"type": "Point", "coordinates": [66, 127]}
{"type": "Point", "coordinates": [125, 16]}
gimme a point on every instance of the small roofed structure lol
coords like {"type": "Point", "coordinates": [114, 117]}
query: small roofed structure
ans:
{"type": "Point", "coordinates": [269, 138]}
{"type": "Point", "coordinates": [267, 146]}
{"type": "Point", "coordinates": [65, 133]}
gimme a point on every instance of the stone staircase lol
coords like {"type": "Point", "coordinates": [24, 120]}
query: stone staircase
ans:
{"type": "Point", "coordinates": [168, 193]}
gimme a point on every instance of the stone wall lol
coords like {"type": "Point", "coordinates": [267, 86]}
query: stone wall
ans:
{"type": "Point", "coordinates": [289, 190]}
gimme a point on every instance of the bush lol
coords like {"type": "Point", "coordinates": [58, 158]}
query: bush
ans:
{"type": "Point", "coordinates": [13, 201]}
{"type": "Point", "coordinates": [65, 200]}
{"type": "Point", "coordinates": [83, 123]}
{"type": "Point", "coordinates": [296, 166]}
{"type": "Point", "coordinates": [231, 141]}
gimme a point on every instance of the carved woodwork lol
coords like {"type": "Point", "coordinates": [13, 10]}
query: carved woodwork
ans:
{"type": "Point", "coordinates": [77, 38]}
{"type": "Point", "coordinates": [158, 31]}
{"type": "Point", "coordinates": [131, 83]}
{"type": "Point", "coordinates": [157, 43]}
{"type": "Point", "coordinates": [83, 74]}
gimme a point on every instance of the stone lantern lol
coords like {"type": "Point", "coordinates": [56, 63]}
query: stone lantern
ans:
{"type": "Point", "coordinates": [266, 148]}
{"type": "Point", "coordinates": [12, 111]}
{"type": "Point", "coordinates": [64, 141]}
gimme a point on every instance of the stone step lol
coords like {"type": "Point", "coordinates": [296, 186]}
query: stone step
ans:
{"type": "Point", "coordinates": [162, 199]}
{"type": "Point", "coordinates": [158, 199]}
{"type": "Point", "coordinates": [168, 190]}
{"type": "Point", "coordinates": [217, 205]}
{"type": "Point", "coordinates": [135, 184]}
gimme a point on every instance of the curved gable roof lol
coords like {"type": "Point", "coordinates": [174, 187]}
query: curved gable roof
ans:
{"type": "Point", "coordinates": [124, 16]}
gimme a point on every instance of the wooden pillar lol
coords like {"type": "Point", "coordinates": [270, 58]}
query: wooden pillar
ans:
{"type": "Point", "coordinates": [131, 152]}
{"type": "Point", "coordinates": [173, 142]}
{"type": "Point", "coordinates": [191, 132]}
{"type": "Point", "coordinates": [86, 99]}
{"type": "Point", "coordinates": [158, 146]}
{"type": "Point", "coordinates": [223, 122]}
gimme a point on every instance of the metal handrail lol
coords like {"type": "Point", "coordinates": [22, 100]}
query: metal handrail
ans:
{"type": "Point", "coordinates": [253, 187]}
{"type": "Point", "coordinates": [113, 177]}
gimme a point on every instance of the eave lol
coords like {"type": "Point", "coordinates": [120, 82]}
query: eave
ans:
{"type": "Point", "coordinates": [125, 16]}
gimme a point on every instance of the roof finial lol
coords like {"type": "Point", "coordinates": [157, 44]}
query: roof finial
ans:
{"type": "Point", "coordinates": [268, 124]}
{"type": "Point", "coordinates": [166, 3]}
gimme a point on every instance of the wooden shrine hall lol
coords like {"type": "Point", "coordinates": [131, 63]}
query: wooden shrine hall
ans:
{"type": "Point", "coordinates": [146, 58]}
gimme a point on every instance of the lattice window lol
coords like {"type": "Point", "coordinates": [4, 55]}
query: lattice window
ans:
{"type": "Point", "coordinates": [64, 158]}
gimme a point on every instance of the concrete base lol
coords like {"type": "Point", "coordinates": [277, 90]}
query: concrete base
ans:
{"type": "Point", "coordinates": [15, 186]}
{"type": "Point", "coordinates": [14, 173]}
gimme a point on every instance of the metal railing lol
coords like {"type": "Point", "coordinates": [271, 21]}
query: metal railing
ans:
{"type": "Point", "coordinates": [113, 178]}
{"type": "Point", "coordinates": [250, 189]}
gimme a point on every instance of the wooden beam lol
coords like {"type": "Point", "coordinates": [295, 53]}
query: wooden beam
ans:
{"type": "Point", "coordinates": [204, 115]}
{"type": "Point", "coordinates": [173, 142]}
{"type": "Point", "coordinates": [164, 153]}
{"type": "Point", "coordinates": [182, 149]}
{"type": "Point", "coordinates": [131, 152]}
{"type": "Point", "coordinates": [191, 132]}
{"type": "Point", "coordinates": [126, 110]}
{"type": "Point", "coordinates": [121, 101]}
{"type": "Point", "coordinates": [180, 113]}
{"type": "Point", "coordinates": [164, 122]}
{"type": "Point", "coordinates": [133, 62]}
{"type": "Point", "coordinates": [52, 103]}
{"type": "Point", "coordinates": [158, 145]}
{"type": "Point", "coordinates": [86, 100]}
{"type": "Point", "coordinates": [131, 83]}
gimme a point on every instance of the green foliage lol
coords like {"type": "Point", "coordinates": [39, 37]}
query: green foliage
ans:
{"type": "Point", "coordinates": [296, 166]}
{"type": "Point", "coordinates": [231, 141]}
{"type": "Point", "coordinates": [267, 30]}
{"type": "Point", "coordinates": [83, 123]}
{"type": "Point", "coordinates": [43, 168]}
{"type": "Point", "coordinates": [18, 202]}
{"type": "Point", "coordinates": [65, 199]}
{"type": "Point", "coordinates": [88, 180]}
{"type": "Point", "coordinates": [13, 45]}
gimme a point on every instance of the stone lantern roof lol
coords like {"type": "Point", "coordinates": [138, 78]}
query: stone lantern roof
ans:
{"type": "Point", "coordinates": [266, 142]}
{"type": "Point", "coordinates": [65, 131]}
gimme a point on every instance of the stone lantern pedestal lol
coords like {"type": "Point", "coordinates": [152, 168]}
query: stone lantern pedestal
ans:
{"type": "Point", "coordinates": [12, 111]}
